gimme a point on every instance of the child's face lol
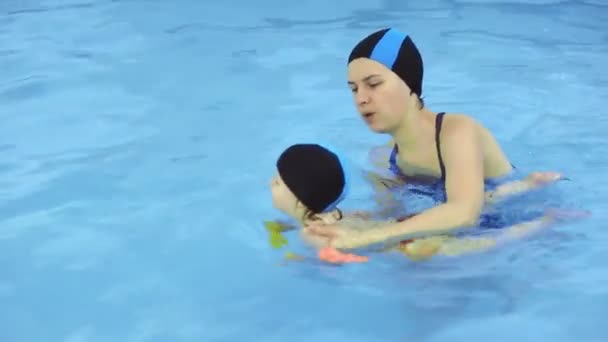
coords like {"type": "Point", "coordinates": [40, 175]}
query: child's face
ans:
{"type": "Point", "coordinates": [282, 198]}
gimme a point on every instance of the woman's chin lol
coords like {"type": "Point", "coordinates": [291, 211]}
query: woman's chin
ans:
{"type": "Point", "coordinates": [378, 128]}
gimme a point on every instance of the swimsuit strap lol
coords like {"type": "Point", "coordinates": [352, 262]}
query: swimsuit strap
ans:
{"type": "Point", "coordinates": [393, 157]}
{"type": "Point", "coordinates": [393, 162]}
{"type": "Point", "coordinates": [438, 122]}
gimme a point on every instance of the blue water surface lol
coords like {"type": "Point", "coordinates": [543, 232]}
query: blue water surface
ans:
{"type": "Point", "coordinates": [138, 138]}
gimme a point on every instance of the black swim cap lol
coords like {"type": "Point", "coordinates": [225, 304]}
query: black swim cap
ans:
{"type": "Point", "coordinates": [396, 51]}
{"type": "Point", "coordinates": [314, 174]}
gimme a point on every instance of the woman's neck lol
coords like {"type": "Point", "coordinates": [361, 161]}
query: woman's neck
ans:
{"type": "Point", "coordinates": [415, 129]}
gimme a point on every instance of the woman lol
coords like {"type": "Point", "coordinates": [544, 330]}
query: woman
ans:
{"type": "Point", "coordinates": [449, 156]}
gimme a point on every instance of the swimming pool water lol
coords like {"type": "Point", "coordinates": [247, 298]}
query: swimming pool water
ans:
{"type": "Point", "coordinates": [138, 138]}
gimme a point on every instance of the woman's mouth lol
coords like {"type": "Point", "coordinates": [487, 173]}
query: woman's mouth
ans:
{"type": "Point", "coordinates": [369, 116]}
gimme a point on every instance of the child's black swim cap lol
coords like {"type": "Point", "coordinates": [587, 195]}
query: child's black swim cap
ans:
{"type": "Point", "coordinates": [315, 175]}
{"type": "Point", "coordinates": [396, 51]}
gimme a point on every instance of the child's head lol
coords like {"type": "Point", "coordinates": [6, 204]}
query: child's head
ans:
{"type": "Point", "coordinates": [311, 180]}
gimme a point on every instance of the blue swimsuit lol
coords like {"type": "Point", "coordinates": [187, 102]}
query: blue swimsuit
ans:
{"type": "Point", "coordinates": [435, 188]}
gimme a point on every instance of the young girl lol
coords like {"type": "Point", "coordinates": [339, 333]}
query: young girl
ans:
{"type": "Point", "coordinates": [311, 181]}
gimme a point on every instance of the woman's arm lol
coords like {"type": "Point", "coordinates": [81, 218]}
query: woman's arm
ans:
{"type": "Point", "coordinates": [450, 246]}
{"type": "Point", "coordinates": [463, 159]}
{"type": "Point", "coordinates": [532, 181]}
{"type": "Point", "coordinates": [425, 248]}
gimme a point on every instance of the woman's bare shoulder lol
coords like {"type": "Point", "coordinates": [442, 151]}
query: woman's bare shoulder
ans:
{"type": "Point", "coordinates": [459, 122]}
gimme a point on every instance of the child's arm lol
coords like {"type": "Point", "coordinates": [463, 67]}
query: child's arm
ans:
{"type": "Point", "coordinates": [533, 181]}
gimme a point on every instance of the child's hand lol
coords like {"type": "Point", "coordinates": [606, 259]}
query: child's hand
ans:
{"type": "Point", "coordinates": [543, 178]}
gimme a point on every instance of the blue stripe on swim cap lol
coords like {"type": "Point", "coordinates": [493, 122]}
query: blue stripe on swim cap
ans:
{"type": "Point", "coordinates": [387, 48]}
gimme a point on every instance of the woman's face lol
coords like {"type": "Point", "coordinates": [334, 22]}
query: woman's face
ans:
{"type": "Point", "coordinates": [381, 97]}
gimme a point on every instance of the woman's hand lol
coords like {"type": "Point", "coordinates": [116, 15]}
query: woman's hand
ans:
{"type": "Point", "coordinates": [543, 178]}
{"type": "Point", "coordinates": [339, 236]}
{"type": "Point", "coordinates": [532, 181]}
{"type": "Point", "coordinates": [564, 215]}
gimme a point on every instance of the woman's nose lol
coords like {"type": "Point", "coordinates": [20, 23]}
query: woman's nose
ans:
{"type": "Point", "coordinates": [361, 97]}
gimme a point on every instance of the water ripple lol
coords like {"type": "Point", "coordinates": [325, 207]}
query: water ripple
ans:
{"type": "Point", "coordinates": [138, 138]}
{"type": "Point", "coordinates": [51, 8]}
